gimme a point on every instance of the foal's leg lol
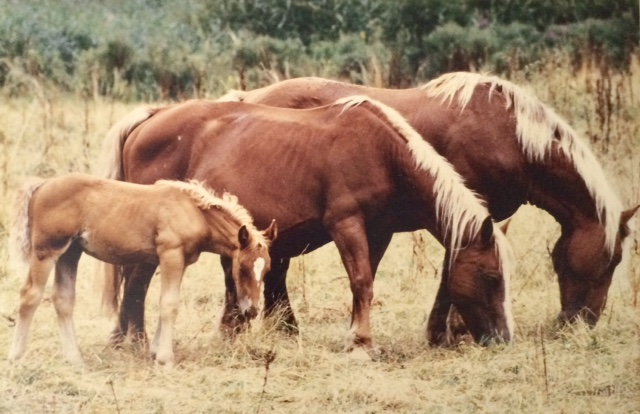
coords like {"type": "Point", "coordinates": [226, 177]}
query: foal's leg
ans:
{"type": "Point", "coordinates": [276, 297]}
{"type": "Point", "coordinates": [64, 298]}
{"type": "Point", "coordinates": [30, 297]}
{"type": "Point", "coordinates": [131, 318]}
{"type": "Point", "coordinates": [172, 267]}
{"type": "Point", "coordinates": [350, 238]}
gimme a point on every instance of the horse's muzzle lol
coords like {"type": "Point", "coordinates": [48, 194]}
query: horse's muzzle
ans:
{"type": "Point", "coordinates": [251, 312]}
{"type": "Point", "coordinates": [572, 315]}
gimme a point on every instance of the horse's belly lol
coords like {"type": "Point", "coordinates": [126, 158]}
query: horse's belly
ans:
{"type": "Point", "coordinates": [300, 239]}
{"type": "Point", "coordinates": [116, 254]}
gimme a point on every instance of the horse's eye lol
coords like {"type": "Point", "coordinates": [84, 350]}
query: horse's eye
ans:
{"type": "Point", "coordinates": [491, 277]}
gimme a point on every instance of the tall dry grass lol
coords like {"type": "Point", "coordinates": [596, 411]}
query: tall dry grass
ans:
{"type": "Point", "coordinates": [546, 369]}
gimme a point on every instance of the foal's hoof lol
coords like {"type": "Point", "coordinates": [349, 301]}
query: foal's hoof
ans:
{"type": "Point", "coordinates": [13, 357]}
{"type": "Point", "coordinates": [166, 363]}
{"type": "Point", "coordinates": [360, 354]}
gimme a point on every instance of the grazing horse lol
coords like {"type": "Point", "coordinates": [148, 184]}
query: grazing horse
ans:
{"type": "Point", "coordinates": [354, 172]}
{"type": "Point", "coordinates": [167, 224]}
{"type": "Point", "coordinates": [511, 149]}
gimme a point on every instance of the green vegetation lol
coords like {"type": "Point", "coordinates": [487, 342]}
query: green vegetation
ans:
{"type": "Point", "coordinates": [160, 49]}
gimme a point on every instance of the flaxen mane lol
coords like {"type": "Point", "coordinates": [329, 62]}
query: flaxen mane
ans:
{"type": "Point", "coordinates": [538, 126]}
{"type": "Point", "coordinates": [205, 198]}
{"type": "Point", "coordinates": [457, 207]}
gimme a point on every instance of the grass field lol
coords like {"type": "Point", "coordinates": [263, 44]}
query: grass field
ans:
{"type": "Point", "coordinates": [547, 369]}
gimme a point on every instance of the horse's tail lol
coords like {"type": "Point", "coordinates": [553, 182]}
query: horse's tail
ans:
{"type": "Point", "coordinates": [113, 169]}
{"type": "Point", "coordinates": [112, 279]}
{"type": "Point", "coordinates": [20, 239]}
{"type": "Point", "coordinates": [115, 139]}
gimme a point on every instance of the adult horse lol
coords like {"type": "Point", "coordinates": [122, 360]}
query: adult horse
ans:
{"type": "Point", "coordinates": [511, 149]}
{"type": "Point", "coordinates": [354, 172]}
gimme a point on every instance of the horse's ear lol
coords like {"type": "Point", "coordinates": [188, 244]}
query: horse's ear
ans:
{"type": "Point", "coordinates": [505, 226]}
{"type": "Point", "coordinates": [243, 237]}
{"type": "Point", "coordinates": [627, 214]}
{"type": "Point", "coordinates": [486, 231]}
{"type": "Point", "coordinates": [271, 233]}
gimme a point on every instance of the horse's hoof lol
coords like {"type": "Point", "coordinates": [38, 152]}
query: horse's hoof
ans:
{"type": "Point", "coordinates": [165, 362]}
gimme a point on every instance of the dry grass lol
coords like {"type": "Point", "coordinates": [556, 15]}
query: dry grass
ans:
{"type": "Point", "coordinates": [547, 369]}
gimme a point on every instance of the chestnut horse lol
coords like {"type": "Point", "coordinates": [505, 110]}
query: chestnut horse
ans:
{"type": "Point", "coordinates": [167, 224]}
{"type": "Point", "coordinates": [511, 149]}
{"type": "Point", "coordinates": [354, 172]}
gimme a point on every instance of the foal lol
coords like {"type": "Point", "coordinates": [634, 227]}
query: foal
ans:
{"type": "Point", "coordinates": [168, 224]}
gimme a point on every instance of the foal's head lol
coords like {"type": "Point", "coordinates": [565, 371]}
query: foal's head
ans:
{"type": "Point", "coordinates": [250, 262]}
{"type": "Point", "coordinates": [478, 283]}
{"type": "Point", "coordinates": [585, 268]}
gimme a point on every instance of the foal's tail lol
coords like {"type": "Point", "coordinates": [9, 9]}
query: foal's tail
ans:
{"type": "Point", "coordinates": [113, 169]}
{"type": "Point", "coordinates": [115, 139]}
{"type": "Point", "coordinates": [20, 239]}
{"type": "Point", "coordinates": [112, 279]}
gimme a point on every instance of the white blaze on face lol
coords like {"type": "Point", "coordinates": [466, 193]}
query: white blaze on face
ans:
{"type": "Point", "coordinates": [258, 267]}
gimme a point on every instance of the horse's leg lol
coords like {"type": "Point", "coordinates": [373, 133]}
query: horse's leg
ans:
{"type": "Point", "coordinates": [64, 298]}
{"type": "Point", "coordinates": [350, 238]}
{"type": "Point", "coordinates": [30, 297]}
{"type": "Point", "coordinates": [131, 319]}
{"type": "Point", "coordinates": [232, 320]}
{"type": "Point", "coordinates": [276, 297]}
{"type": "Point", "coordinates": [437, 324]}
{"type": "Point", "coordinates": [378, 244]}
{"type": "Point", "coordinates": [171, 271]}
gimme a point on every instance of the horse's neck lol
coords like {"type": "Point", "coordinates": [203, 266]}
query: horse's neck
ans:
{"type": "Point", "coordinates": [558, 189]}
{"type": "Point", "coordinates": [223, 231]}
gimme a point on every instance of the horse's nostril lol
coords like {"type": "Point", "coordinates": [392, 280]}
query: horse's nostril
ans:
{"type": "Point", "coordinates": [251, 312]}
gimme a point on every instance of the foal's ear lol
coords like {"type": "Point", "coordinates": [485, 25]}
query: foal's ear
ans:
{"type": "Point", "coordinates": [486, 231]}
{"type": "Point", "coordinates": [271, 233]}
{"type": "Point", "coordinates": [243, 237]}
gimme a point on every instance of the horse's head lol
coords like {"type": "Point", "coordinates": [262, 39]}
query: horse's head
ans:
{"type": "Point", "coordinates": [251, 262]}
{"type": "Point", "coordinates": [585, 268]}
{"type": "Point", "coordinates": [478, 284]}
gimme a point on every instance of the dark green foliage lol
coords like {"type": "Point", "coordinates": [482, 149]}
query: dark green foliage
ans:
{"type": "Point", "coordinates": [159, 49]}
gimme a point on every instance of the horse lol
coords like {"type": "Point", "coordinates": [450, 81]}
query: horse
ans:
{"type": "Point", "coordinates": [353, 172]}
{"type": "Point", "coordinates": [511, 149]}
{"type": "Point", "coordinates": [166, 224]}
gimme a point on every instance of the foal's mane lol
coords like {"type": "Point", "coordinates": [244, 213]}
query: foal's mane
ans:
{"type": "Point", "coordinates": [205, 198]}
{"type": "Point", "coordinates": [538, 126]}
{"type": "Point", "coordinates": [457, 207]}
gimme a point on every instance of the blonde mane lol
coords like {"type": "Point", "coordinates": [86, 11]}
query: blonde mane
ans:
{"type": "Point", "coordinates": [538, 126]}
{"type": "Point", "coordinates": [457, 207]}
{"type": "Point", "coordinates": [205, 198]}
